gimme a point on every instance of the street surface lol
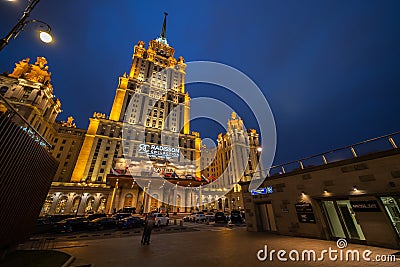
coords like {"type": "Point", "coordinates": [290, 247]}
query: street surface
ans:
{"type": "Point", "coordinates": [204, 245]}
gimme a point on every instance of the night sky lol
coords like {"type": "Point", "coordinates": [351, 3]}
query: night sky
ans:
{"type": "Point", "coordinates": [330, 70]}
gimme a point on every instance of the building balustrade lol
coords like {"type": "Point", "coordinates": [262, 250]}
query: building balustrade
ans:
{"type": "Point", "coordinates": [378, 144]}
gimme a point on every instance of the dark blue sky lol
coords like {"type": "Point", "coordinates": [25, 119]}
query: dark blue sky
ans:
{"type": "Point", "coordinates": [329, 69]}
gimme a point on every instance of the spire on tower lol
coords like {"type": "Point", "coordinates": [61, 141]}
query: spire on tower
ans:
{"type": "Point", "coordinates": [163, 35]}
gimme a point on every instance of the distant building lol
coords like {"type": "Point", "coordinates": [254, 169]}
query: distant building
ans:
{"type": "Point", "coordinates": [29, 91]}
{"type": "Point", "coordinates": [236, 158]}
{"type": "Point", "coordinates": [66, 147]}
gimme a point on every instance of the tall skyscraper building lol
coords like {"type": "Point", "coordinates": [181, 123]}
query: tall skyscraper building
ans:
{"type": "Point", "coordinates": [146, 135]}
{"type": "Point", "coordinates": [149, 117]}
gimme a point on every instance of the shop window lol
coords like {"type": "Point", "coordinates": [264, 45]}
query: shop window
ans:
{"type": "Point", "coordinates": [342, 220]}
{"type": "Point", "coordinates": [392, 209]}
{"type": "Point", "coordinates": [128, 200]}
{"type": "Point", "coordinates": [154, 202]}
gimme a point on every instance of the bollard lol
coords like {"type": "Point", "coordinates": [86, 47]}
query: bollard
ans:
{"type": "Point", "coordinates": [181, 223]}
{"type": "Point", "coordinates": [175, 222]}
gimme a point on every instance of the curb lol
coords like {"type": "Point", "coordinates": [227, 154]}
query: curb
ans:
{"type": "Point", "coordinates": [68, 262]}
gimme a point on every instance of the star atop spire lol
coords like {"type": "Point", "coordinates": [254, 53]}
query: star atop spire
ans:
{"type": "Point", "coordinates": [163, 35]}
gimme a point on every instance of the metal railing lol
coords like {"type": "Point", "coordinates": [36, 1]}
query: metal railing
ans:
{"type": "Point", "coordinates": [25, 125]}
{"type": "Point", "coordinates": [378, 144]}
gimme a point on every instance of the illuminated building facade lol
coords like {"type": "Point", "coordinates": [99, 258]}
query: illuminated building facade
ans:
{"type": "Point", "coordinates": [146, 134]}
{"type": "Point", "coordinates": [144, 111]}
{"type": "Point", "coordinates": [236, 158]}
{"type": "Point", "coordinates": [66, 147]}
{"type": "Point", "coordinates": [145, 138]}
{"type": "Point", "coordinates": [29, 91]}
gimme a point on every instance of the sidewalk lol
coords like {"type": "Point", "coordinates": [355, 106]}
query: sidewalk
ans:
{"type": "Point", "coordinates": [227, 247]}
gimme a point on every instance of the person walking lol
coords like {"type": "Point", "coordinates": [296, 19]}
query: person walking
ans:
{"type": "Point", "coordinates": [148, 227]}
{"type": "Point", "coordinates": [144, 230]}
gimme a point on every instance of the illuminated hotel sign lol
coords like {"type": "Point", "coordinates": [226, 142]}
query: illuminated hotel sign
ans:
{"type": "Point", "coordinates": [262, 191]}
{"type": "Point", "coordinates": [160, 152]}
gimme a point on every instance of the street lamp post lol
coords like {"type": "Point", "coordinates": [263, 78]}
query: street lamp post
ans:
{"type": "Point", "coordinates": [45, 35]}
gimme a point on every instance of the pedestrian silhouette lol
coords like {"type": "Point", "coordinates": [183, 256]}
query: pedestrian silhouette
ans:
{"type": "Point", "coordinates": [148, 227]}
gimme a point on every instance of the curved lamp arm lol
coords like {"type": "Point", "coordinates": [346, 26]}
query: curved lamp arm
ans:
{"type": "Point", "coordinates": [22, 22]}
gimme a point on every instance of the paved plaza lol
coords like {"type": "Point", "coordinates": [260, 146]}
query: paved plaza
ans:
{"type": "Point", "coordinates": [207, 246]}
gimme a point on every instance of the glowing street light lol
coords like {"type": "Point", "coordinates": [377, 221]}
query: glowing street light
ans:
{"type": "Point", "coordinates": [45, 35]}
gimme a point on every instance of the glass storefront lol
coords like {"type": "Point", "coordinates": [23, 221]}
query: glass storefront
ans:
{"type": "Point", "coordinates": [342, 220]}
{"type": "Point", "coordinates": [352, 227]}
{"type": "Point", "coordinates": [333, 219]}
{"type": "Point", "coordinates": [392, 209]}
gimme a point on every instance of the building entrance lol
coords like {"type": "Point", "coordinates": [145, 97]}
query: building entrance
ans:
{"type": "Point", "coordinates": [342, 220]}
{"type": "Point", "coordinates": [267, 217]}
{"type": "Point", "coordinates": [393, 211]}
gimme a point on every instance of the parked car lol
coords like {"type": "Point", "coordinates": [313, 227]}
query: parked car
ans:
{"type": "Point", "coordinates": [160, 219]}
{"type": "Point", "coordinates": [236, 217]}
{"type": "Point", "coordinates": [220, 217]}
{"type": "Point", "coordinates": [210, 216]}
{"type": "Point", "coordinates": [197, 217]}
{"type": "Point", "coordinates": [131, 210]}
{"type": "Point", "coordinates": [102, 223]}
{"type": "Point", "coordinates": [57, 217]}
{"type": "Point", "coordinates": [131, 222]}
{"type": "Point", "coordinates": [72, 224]}
{"type": "Point", "coordinates": [91, 217]}
{"type": "Point", "coordinates": [186, 218]}
{"type": "Point", "coordinates": [43, 225]}
{"type": "Point", "coordinates": [120, 216]}
{"type": "Point", "coordinates": [43, 221]}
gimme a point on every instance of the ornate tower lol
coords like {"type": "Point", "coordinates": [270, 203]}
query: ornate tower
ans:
{"type": "Point", "coordinates": [150, 108]}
